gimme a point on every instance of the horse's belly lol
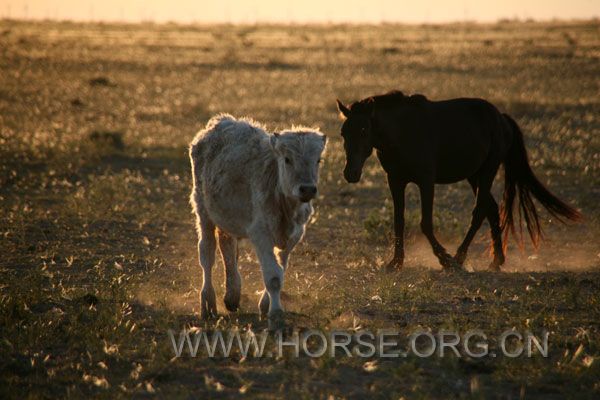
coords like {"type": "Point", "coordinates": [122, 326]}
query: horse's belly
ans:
{"type": "Point", "coordinates": [445, 178]}
{"type": "Point", "coordinates": [461, 160]}
{"type": "Point", "coordinates": [458, 170]}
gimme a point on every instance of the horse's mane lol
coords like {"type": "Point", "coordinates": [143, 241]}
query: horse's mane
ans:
{"type": "Point", "coordinates": [392, 98]}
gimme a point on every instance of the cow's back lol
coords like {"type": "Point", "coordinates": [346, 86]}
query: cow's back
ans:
{"type": "Point", "coordinates": [231, 159]}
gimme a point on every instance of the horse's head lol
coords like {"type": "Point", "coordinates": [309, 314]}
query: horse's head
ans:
{"type": "Point", "coordinates": [358, 140]}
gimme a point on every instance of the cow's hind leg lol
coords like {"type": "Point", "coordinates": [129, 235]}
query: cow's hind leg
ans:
{"type": "Point", "coordinates": [206, 251]}
{"type": "Point", "coordinates": [228, 247]}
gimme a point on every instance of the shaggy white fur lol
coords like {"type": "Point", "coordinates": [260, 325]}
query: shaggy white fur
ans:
{"type": "Point", "coordinates": [251, 184]}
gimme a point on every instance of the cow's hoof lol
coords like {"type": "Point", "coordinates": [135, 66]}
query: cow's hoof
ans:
{"type": "Point", "coordinates": [393, 266]}
{"type": "Point", "coordinates": [208, 304]}
{"type": "Point", "coordinates": [276, 320]}
{"type": "Point", "coordinates": [232, 301]}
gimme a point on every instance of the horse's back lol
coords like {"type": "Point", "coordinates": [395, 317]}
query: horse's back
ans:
{"type": "Point", "coordinates": [470, 134]}
{"type": "Point", "coordinates": [454, 138]}
{"type": "Point", "coordinates": [464, 109]}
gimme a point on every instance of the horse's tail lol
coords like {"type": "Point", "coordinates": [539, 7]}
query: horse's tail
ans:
{"type": "Point", "coordinates": [520, 180]}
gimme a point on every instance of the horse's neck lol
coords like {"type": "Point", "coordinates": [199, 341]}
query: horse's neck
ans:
{"type": "Point", "coordinates": [384, 140]}
{"type": "Point", "coordinates": [380, 139]}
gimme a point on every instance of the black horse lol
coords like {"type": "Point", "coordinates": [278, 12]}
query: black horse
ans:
{"type": "Point", "coordinates": [428, 142]}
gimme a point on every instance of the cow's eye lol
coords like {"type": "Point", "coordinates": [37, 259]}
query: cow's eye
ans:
{"type": "Point", "coordinates": [319, 161]}
{"type": "Point", "coordinates": [288, 161]}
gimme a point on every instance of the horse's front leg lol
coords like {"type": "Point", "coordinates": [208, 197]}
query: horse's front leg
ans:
{"type": "Point", "coordinates": [427, 192]}
{"type": "Point", "coordinates": [397, 187]}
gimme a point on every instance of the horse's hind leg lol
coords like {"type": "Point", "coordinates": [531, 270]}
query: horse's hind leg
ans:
{"type": "Point", "coordinates": [233, 281]}
{"type": "Point", "coordinates": [427, 191]}
{"type": "Point", "coordinates": [493, 217]}
{"type": "Point", "coordinates": [483, 203]}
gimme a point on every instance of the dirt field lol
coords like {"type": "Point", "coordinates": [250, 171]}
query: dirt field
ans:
{"type": "Point", "coordinates": [97, 244]}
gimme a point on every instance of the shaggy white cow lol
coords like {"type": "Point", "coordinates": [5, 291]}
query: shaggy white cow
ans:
{"type": "Point", "coordinates": [251, 184]}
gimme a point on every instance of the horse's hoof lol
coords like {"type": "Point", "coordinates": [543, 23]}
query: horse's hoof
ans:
{"type": "Point", "coordinates": [276, 320]}
{"type": "Point", "coordinates": [393, 266]}
{"type": "Point", "coordinates": [494, 267]}
{"type": "Point", "coordinates": [450, 264]}
{"type": "Point", "coordinates": [460, 257]}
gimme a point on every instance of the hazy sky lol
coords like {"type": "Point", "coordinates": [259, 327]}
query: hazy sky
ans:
{"type": "Point", "coordinates": [298, 11]}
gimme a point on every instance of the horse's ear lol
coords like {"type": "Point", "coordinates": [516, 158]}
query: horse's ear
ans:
{"type": "Point", "coordinates": [273, 139]}
{"type": "Point", "coordinates": [343, 109]}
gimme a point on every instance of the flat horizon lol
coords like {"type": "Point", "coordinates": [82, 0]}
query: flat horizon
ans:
{"type": "Point", "coordinates": [309, 12]}
{"type": "Point", "coordinates": [303, 23]}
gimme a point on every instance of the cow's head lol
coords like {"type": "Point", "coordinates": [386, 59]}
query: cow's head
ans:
{"type": "Point", "coordinates": [298, 154]}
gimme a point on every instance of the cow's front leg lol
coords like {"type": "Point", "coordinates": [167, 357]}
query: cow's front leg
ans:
{"type": "Point", "coordinates": [271, 270]}
{"type": "Point", "coordinates": [283, 256]}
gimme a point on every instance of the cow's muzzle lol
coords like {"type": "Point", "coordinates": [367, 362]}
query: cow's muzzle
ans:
{"type": "Point", "coordinates": [307, 192]}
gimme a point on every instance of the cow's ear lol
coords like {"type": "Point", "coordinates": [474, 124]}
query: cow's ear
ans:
{"type": "Point", "coordinates": [273, 139]}
{"type": "Point", "coordinates": [343, 109]}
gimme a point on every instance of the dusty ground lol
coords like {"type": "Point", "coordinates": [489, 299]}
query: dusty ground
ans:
{"type": "Point", "coordinates": [97, 243]}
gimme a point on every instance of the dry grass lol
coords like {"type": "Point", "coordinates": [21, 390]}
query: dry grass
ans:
{"type": "Point", "coordinates": [97, 241]}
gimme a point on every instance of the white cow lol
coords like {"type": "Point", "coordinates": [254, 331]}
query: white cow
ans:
{"type": "Point", "coordinates": [251, 184]}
